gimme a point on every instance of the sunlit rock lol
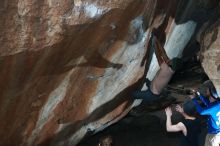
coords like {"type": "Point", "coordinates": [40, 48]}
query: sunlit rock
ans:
{"type": "Point", "coordinates": [67, 68]}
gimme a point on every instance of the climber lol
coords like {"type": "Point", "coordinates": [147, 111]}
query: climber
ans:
{"type": "Point", "coordinates": [210, 99]}
{"type": "Point", "coordinates": [190, 126]}
{"type": "Point", "coordinates": [162, 77]}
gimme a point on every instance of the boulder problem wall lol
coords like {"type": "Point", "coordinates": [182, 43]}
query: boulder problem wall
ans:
{"type": "Point", "coordinates": [67, 68]}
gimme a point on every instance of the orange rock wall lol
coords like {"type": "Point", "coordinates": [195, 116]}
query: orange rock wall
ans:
{"type": "Point", "coordinates": [67, 68]}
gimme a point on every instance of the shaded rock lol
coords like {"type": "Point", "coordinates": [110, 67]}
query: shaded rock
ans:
{"type": "Point", "coordinates": [210, 53]}
{"type": "Point", "coordinates": [68, 67]}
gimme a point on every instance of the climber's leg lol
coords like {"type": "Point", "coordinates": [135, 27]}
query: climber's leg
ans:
{"type": "Point", "coordinates": [147, 95]}
{"type": "Point", "coordinates": [160, 52]}
{"type": "Point", "coordinates": [175, 63]}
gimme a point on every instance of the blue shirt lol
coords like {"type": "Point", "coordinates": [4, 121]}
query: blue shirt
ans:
{"type": "Point", "coordinates": [212, 110]}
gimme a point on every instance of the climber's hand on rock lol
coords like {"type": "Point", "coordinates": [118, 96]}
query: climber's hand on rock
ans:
{"type": "Point", "coordinates": [179, 109]}
{"type": "Point", "coordinates": [193, 95]}
{"type": "Point", "coordinates": [168, 111]}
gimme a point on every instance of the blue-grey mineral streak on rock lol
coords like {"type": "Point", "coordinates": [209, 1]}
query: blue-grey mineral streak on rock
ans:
{"type": "Point", "coordinates": [130, 56]}
{"type": "Point", "coordinates": [47, 111]}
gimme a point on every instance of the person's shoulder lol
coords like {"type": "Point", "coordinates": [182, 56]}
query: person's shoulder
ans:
{"type": "Point", "coordinates": [187, 122]}
{"type": "Point", "coordinates": [197, 121]}
{"type": "Point", "coordinates": [182, 127]}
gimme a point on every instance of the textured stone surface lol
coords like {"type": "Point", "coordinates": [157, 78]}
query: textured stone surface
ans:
{"type": "Point", "coordinates": [67, 67]}
{"type": "Point", "coordinates": [210, 49]}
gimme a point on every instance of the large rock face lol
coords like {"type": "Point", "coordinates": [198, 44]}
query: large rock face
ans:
{"type": "Point", "coordinates": [210, 49]}
{"type": "Point", "coordinates": [68, 67]}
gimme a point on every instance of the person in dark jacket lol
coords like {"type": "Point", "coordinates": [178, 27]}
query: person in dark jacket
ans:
{"type": "Point", "coordinates": [211, 108]}
{"type": "Point", "coordinates": [190, 126]}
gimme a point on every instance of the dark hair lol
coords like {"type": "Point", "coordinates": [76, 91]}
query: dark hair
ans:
{"type": "Point", "coordinates": [208, 86]}
{"type": "Point", "coordinates": [190, 108]}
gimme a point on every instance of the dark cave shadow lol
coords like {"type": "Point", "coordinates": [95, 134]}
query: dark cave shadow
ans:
{"type": "Point", "coordinates": [55, 60]}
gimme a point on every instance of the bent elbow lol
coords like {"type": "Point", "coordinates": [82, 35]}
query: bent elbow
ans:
{"type": "Point", "coordinates": [168, 129]}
